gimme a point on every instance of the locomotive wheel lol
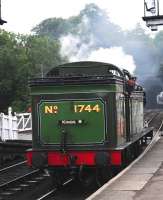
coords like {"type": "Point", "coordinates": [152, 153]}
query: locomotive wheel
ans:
{"type": "Point", "coordinates": [57, 179]}
{"type": "Point", "coordinates": [87, 177]}
{"type": "Point", "coordinates": [103, 174]}
{"type": "Point", "coordinates": [95, 177]}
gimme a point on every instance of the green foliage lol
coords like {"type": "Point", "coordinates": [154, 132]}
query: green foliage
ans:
{"type": "Point", "coordinates": [43, 53]}
{"type": "Point", "coordinates": [53, 27]}
{"type": "Point", "coordinates": [22, 57]}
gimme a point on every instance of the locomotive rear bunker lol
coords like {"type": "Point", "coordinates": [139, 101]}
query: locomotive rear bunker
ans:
{"type": "Point", "coordinates": [86, 116]}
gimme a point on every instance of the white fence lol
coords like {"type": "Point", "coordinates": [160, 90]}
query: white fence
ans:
{"type": "Point", "coordinates": [10, 124]}
{"type": "Point", "coordinates": [24, 122]}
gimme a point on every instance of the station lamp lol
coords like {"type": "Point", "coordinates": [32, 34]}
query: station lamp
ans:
{"type": "Point", "coordinates": [152, 16]}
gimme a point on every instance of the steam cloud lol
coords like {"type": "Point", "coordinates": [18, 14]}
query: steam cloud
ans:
{"type": "Point", "coordinates": [96, 39]}
{"type": "Point", "coordinates": [114, 55]}
{"type": "Point", "coordinates": [75, 50]}
{"type": "Point", "coordinates": [91, 41]}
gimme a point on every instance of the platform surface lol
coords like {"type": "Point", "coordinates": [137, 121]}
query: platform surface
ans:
{"type": "Point", "coordinates": [143, 181]}
{"type": "Point", "coordinates": [25, 135]}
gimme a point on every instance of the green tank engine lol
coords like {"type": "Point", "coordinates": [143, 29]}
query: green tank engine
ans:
{"type": "Point", "coordinates": [87, 120]}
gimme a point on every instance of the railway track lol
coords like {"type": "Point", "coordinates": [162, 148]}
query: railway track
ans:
{"type": "Point", "coordinates": [11, 172]}
{"type": "Point", "coordinates": [12, 166]}
{"type": "Point", "coordinates": [70, 191]}
{"type": "Point", "coordinates": [153, 118]}
{"type": "Point", "coordinates": [51, 193]}
{"type": "Point", "coordinates": [15, 188]}
{"type": "Point", "coordinates": [18, 179]}
{"type": "Point", "coordinates": [149, 116]}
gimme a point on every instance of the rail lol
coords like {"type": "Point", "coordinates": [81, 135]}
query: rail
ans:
{"type": "Point", "coordinates": [52, 192]}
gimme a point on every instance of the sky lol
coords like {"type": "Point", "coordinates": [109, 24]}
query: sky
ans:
{"type": "Point", "coordinates": [23, 15]}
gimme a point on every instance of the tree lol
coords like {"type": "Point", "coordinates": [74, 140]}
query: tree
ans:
{"type": "Point", "coordinates": [91, 22]}
{"type": "Point", "coordinates": [22, 57]}
{"type": "Point", "coordinates": [9, 63]}
{"type": "Point", "coordinates": [52, 27]}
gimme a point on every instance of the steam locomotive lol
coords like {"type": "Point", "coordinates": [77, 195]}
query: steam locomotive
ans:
{"type": "Point", "coordinates": [160, 98]}
{"type": "Point", "coordinates": [87, 121]}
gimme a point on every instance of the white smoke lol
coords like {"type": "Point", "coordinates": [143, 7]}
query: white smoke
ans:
{"type": "Point", "coordinates": [72, 45]}
{"type": "Point", "coordinates": [114, 55]}
{"type": "Point", "coordinates": [74, 49]}
{"type": "Point", "coordinates": [78, 49]}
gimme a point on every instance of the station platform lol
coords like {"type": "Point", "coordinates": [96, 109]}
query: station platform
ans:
{"type": "Point", "coordinates": [143, 180]}
{"type": "Point", "coordinates": [26, 135]}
